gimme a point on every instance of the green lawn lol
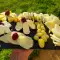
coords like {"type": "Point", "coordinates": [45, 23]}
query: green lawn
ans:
{"type": "Point", "coordinates": [18, 6]}
{"type": "Point", "coordinates": [44, 6]}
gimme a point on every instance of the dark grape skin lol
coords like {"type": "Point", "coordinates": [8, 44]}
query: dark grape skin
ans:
{"type": "Point", "coordinates": [23, 19]}
{"type": "Point", "coordinates": [7, 13]}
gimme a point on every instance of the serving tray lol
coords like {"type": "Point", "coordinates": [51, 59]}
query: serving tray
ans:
{"type": "Point", "coordinates": [48, 45]}
{"type": "Point", "coordinates": [30, 18]}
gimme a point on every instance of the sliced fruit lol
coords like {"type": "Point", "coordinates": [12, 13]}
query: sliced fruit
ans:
{"type": "Point", "coordinates": [50, 24]}
{"type": "Point", "coordinates": [4, 38]}
{"type": "Point", "coordinates": [2, 17]}
{"type": "Point", "coordinates": [45, 18]}
{"type": "Point", "coordinates": [31, 15]}
{"type": "Point", "coordinates": [57, 43]}
{"type": "Point", "coordinates": [25, 42]}
{"type": "Point", "coordinates": [13, 14]}
{"type": "Point", "coordinates": [7, 39]}
{"type": "Point", "coordinates": [56, 30]}
{"type": "Point", "coordinates": [55, 38]}
{"type": "Point", "coordinates": [20, 16]}
{"type": "Point", "coordinates": [26, 28]}
{"type": "Point", "coordinates": [20, 34]}
{"type": "Point", "coordinates": [10, 40]}
{"type": "Point", "coordinates": [31, 24]}
{"type": "Point", "coordinates": [19, 26]}
{"type": "Point", "coordinates": [7, 24]}
{"type": "Point", "coordinates": [52, 21]}
{"type": "Point", "coordinates": [1, 29]}
{"type": "Point", "coordinates": [6, 29]}
{"type": "Point", "coordinates": [26, 14]}
{"type": "Point", "coordinates": [35, 15]}
{"type": "Point", "coordinates": [40, 16]}
{"type": "Point", "coordinates": [55, 19]}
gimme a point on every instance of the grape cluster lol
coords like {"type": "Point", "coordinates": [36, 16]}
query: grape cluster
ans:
{"type": "Point", "coordinates": [41, 35]}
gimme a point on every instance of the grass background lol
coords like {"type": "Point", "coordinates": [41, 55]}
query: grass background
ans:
{"type": "Point", "coordinates": [44, 6]}
{"type": "Point", "coordinates": [38, 6]}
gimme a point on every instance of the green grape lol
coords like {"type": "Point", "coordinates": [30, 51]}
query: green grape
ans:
{"type": "Point", "coordinates": [42, 27]}
{"type": "Point", "coordinates": [43, 32]}
{"type": "Point", "coordinates": [38, 26]}
{"type": "Point", "coordinates": [41, 43]}
{"type": "Point", "coordinates": [36, 23]}
{"type": "Point", "coordinates": [36, 37]}
{"type": "Point", "coordinates": [41, 24]}
{"type": "Point", "coordinates": [39, 34]}
{"type": "Point", "coordinates": [38, 30]}
{"type": "Point", "coordinates": [44, 38]}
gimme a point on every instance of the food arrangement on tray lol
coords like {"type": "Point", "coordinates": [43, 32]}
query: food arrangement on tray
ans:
{"type": "Point", "coordinates": [29, 29]}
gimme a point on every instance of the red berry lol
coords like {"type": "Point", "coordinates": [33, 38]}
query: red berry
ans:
{"type": "Point", "coordinates": [7, 13]}
{"type": "Point", "coordinates": [15, 36]}
{"type": "Point", "coordinates": [23, 19]}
